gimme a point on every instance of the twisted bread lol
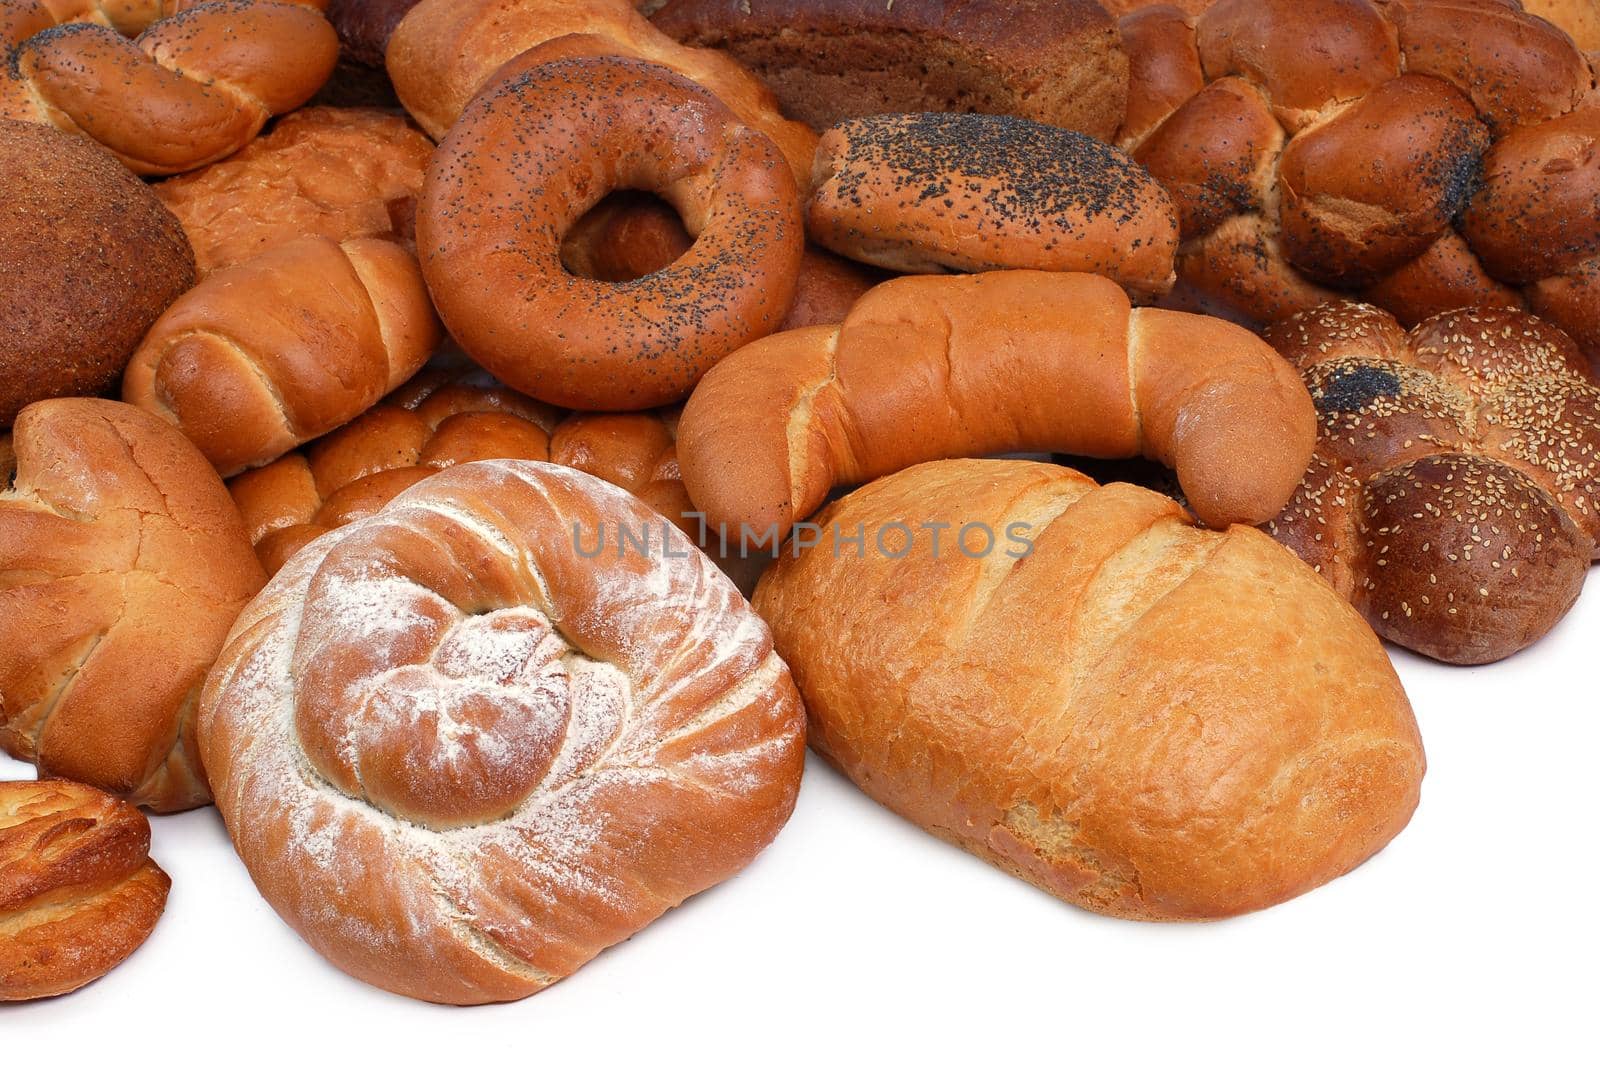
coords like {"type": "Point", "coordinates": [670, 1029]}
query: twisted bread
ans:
{"type": "Point", "coordinates": [122, 565]}
{"type": "Point", "coordinates": [536, 151]}
{"type": "Point", "coordinates": [460, 755]}
{"type": "Point", "coordinates": [1453, 496]}
{"type": "Point", "coordinates": [831, 60]}
{"type": "Point", "coordinates": [1142, 717]}
{"type": "Point", "coordinates": [78, 891]}
{"type": "Point", "coordinates": [935, 192]}
{"type": "Point", "coordinates": [932, 367]}
{"type": "Point", "coordinates": [200, 81]}
{"type": "Point", "coordinates": [445, 51]}
{"type": "Point", "coordinates": [1428, 155]}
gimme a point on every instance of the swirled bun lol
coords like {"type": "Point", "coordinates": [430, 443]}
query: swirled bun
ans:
{"type": "Point", "coordinates": [461, 755]}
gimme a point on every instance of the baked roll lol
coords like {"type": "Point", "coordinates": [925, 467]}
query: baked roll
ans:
{"type": "Point", "coordinates": [465, 744]}
{"type": "Point", "coordinates": [123, 563]}
{"type": "Point", "coordinates": [78, 890]}
{"type": "Point", "coordinates": [1138, 715]}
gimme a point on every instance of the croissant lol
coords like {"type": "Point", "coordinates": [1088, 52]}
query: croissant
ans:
{"type": "Point", "coordinates": [931, 367]}
{"type": "Point", "coordinates": [265, 355]}
{"type": "Point", "coordinates": [468, 742]}
{"type": "Point", "coordinates": [199, 82]}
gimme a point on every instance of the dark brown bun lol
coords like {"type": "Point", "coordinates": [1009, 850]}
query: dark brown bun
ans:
{"type": "Point", "coordinates": [831, 60]}
{"type": "Point", "coordinates": [364, 27]}
{"type": "Point", "coordinates": [88, 259]}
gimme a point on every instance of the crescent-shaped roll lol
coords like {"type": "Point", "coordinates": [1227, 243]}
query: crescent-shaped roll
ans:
{"type": "Point", "coordinates": [935, 367]}
{"type": "Point", "coordinates": [265, 355]}
{"type": "Point", "coordinates": [1084, 688]}
{"type": "Point", "coordinates": [467, 743]}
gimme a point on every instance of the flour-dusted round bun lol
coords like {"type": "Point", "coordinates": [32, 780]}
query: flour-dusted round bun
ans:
{"type": "Point", "coordinates": [541, 147]}
{"type": "Point", "coordinates": [464, 745]}
{"type": "Point", "coordinates": [88, 259]}
{"type": "Point", "coordinates": [78, 890]}
{"type": "Point", "coordinates": [123, 563]}
{"type": "Point", "coordinates": [1080, 685]}
{"type": "Point", "coordinates": [935, 192]}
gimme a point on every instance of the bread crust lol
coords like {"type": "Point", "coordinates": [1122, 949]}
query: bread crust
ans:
{"type": "Point", "coordinates": [450, 798]}
{"type": "Point", "coordinates": [1142, 717]}
{"type": "Point", "coordinates": [88, 260]}
{"type": "Point", "coordinates": [122, 565]}
{"type": "Point", "coordinates": [78, 891]}
{"type": "Point", "coordinates": [1452, 498]}
{"type": "Point", "coordinates": [831, 60]}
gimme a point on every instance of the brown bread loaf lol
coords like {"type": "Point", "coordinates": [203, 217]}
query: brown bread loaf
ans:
{"type": "Point", "coordinates": [1055, 61]}
{"type": "Point", "coordinates": [78, 891]}
{"type": "Point", "coordinates": [1140, 716]}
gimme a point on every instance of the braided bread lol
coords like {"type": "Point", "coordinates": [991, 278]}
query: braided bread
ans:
{"type": "Point", "coordinates": [1455, 493]}
{"type": "Point", "coordinates": [1427, 155]}
{"type": "Point", "coordinates": [445, 51]}
{"type": "Point", "coordinates": [122, 565]}
{"type": "Point", "coordinates": [200, 81]}
{"type": "Point", "coordinates": [1141, 717]}
{"type": "Point", "coordinates": [78, 891]}
{"type": "Point", "coordinates": [461, 754]}
{"type": "Point", "coordinates": [961, 366]}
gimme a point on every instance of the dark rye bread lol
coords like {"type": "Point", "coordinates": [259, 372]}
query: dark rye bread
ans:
{"type": "Point", "coordinates": [936, 192]}
{"type": "Point", "coordinates": [1056, 61]}
{"type": "Point", "coordinates": [88, 259]}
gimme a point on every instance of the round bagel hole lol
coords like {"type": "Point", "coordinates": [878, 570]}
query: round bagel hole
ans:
{"type": "Point", "coordinates": [628, 235]}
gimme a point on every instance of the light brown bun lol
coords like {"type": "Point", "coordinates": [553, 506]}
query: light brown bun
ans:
{"type": "Point", "coordinates": [1453, 497]}
{"type": "Point", "coordinates": [934, 192]}
{"type": "Point", "coordinates": [78, 891]}
{"type": "Point", "coordinates": [1142, 717]}
{"type": "Point", "coordinates": [247, 383]}
{"type": "Point", "coordinates": [1426, 155]}
{"type": "Point", "coordinates": [196, 84]}
{"type": "Point", "coordinates": [630, 235]}
{"type": "Point", "coordinates": [122, 565]}
{"type": "Point", "coordinates": [1055, 61]}
{"type": "Point", "coordinates": [445, 51]}
{"type": "Point", "coordinates": [1580, 18]}
{"type": "Point", "coordinates": [88, 260]}
{"type": "Point", "coordinates": [1005, 362]}
{"type": "Point", "coordinates": [451, 799]}
{"type": "Point", "coordinates": [337, 173]}
{"type": "Point", "coordinates": [540, 148]}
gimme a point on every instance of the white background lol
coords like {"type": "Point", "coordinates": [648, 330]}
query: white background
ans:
{"type": "Point", "coordinates": [857, 940]}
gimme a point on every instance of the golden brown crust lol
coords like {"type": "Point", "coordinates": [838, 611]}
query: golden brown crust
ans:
{"type": "Point", "coordinates": [452, 799]}
{"type": "Point", "coordinates": [1580, 18]}
{"type": "Point", "coordinates": [445, 51]}
{"type": "Point", "coordinates": [831, 60]}
{"type": "Point", "coordinates": [1142, 717]}
{"type": "Point", "coordinates": [967, 366]}
{"type": "Point", "coordinates": [339, 173]}
{"type": "Point", "coordinates": [1452, 499]}
{"type": "Point", "coordinates": [934, 192]}
{"type": "Point", "coordinates": [88, 260]}
{"type": "Point", "coordinates": [537, 150]}
{"type": "Point", "coordinates": [122, 565]}
{"type": "Point", "coordinates": [197, 84]}
{"type": "Point", "coordinates": [78, 892]}
{"type": "Point", "coordinates": [1434, 154]}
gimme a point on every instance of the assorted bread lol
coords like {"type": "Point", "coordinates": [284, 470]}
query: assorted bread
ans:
{"type": "Point", "coordinates": [1426, 156]}
{"type": "Point", "coordinates": [1453, 495]}
{"type": "Point", "coordinates": [78, 890]}
{"type": "Point", "coordinates": [461, 756]}
{"type": "Point", "coordinates": [452, 649]}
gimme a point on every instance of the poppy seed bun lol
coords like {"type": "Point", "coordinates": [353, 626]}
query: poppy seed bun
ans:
{"type": "Point", "coordinates": [88, 259]}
